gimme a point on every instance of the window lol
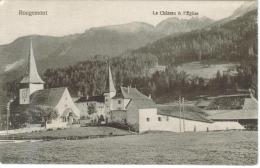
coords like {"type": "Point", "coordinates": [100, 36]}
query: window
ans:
{"type": "Point", "coordinates": [159, 119]}
{"type": "Point", "coordinates": [119, 101]}
{"type": "Point", "coordinates": [147, 119]}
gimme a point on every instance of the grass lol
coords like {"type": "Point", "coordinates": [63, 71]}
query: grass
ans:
{"type": "Point", "coordinates": [221, 148]}
{"type": "Point", "coordinates": [71, 133]}
{"type": "Point", "coordinates": [201, 70]}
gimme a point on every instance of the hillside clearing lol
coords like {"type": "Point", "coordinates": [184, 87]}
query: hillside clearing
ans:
{"type": "Point", "coordinates": [206, 70]}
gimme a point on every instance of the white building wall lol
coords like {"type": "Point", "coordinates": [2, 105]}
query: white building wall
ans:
{"type": "Point", "coordinates": [115, 105]}
{"type": "Point", "coordinates": [169, 123]}
{"type": "Point", "coordinates": [34, 87]}
{"type": "Point", "coordinates": [67, 102]}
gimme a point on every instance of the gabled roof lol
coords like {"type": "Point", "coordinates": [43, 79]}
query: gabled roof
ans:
{"type": "Point", "coordinates": [249, 111]}
{"type": "Point", "coordinates": [48, 97]}
{"type": "Point", "coordinates": [190, 112]}
{"type": "Point", "coordinates": [133, 93]}
{"type": "Point", "coordinates": [234, 115]}
{"type": "Point", "coordinates": [100, 99]}
{"type": "Point", "coordinates": [138, 99]}
{"type": "Point", "coordinates": [31, 75]}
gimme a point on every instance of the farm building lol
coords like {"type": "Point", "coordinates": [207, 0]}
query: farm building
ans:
{"type": "Point", "coordinates": [247, 115]}
{"type": "Point", "coordinates": [238, 107]}
{"type": "Point", "coordinates": [169, 118]}
{"type": "Point", "coordinates": [53, 108]}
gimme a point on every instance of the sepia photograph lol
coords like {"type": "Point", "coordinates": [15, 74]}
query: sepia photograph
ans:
{"type": "Point", "coordinates": [129, 82]}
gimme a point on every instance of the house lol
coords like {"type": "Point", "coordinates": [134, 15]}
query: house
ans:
{"type": "Point", "coordinates": [92, 108]}
{"type": "Point", "coordinates": [156, 68]}
{"type": "Point", "coordinates": [136, 101]}
{"type": "Point", "coordinates": [247, 115]}
{"type": "Point", "coordinates": [52, 108]}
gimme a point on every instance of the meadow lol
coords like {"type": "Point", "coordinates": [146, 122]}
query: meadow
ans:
{"type": "Point", "coordinates": [200, 148]}
{"type": "Point", "coordinates": [69, 133]}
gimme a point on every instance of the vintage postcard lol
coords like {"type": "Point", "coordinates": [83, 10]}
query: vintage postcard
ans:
{"type": "Point", "coordinates": [128, 82]}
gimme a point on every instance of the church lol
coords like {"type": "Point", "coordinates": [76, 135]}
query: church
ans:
{"type": "Point", "coordinates": [36, 106]}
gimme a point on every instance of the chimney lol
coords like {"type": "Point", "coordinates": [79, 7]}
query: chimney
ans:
{"type": "Point", "coordinates": [87, 97]}
{"type": "Point", "coordinates": [128, 89]}
{"type": "Point", "coordinates": [150, 96]}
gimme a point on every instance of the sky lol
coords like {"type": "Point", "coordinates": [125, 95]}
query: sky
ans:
{"type": "Point", "coordinates": [69, 17]}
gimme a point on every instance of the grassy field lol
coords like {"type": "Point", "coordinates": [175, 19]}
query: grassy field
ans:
{"type": "Point", "coordinates": [205, 70]}
{"type": "Point", "coordinates": [228, 148]}
{"type": "Point", "coordinates": [71, 133]}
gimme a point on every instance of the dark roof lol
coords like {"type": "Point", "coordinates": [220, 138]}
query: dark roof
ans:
{"type": "Point", "coordinates": [48, 97]}
{"type": "Point", "coordinates": [190, 112]}
{"type": "Point", "coordinates": [100, 99]}
{"type": "Point", "coordinates": [137, 98]}
{"type": "Point", "coordinates": [133, 93]}
{"type": "Point", "coordinates": [227, 96]}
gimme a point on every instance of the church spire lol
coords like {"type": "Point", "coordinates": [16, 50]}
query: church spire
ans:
{"type": "Point", "coordinates": [31, 75]}
{"type": "Point", "coordinates": [110, 87]}
{"type": "Point", "coordinates": [111, 82]}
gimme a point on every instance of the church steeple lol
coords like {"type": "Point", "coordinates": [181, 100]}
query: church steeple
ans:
{"type": "Point", "coordinates": [32, 75]}
{"type": "Point", "coordinates": [110, 87]}
{"type": "Point", "coordinates": [31, 82]}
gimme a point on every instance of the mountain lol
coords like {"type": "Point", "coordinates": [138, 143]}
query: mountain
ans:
{"type": "Point", "coordinates": [133, 27]}
{"type": "Point", "coordinates": [232, 41]}
{"type": "Point", "coordinates": [242, 10]}
{"type": "Point", "coordinates": [109, 41]}
{"type": "Point", "coordinates": [176, 25]}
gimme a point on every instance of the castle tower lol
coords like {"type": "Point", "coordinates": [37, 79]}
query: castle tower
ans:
{"type": "Point", "coordinates": [31, 82]}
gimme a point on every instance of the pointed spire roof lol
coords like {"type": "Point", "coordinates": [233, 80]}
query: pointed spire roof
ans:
{"type": "Point", "coordinates": [110, 87]}
{"type": "Point", "coordinates": [31, 75]}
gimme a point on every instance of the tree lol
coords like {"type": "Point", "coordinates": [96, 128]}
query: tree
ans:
{"type": "Point", "coordinates": [46, 113]}
{"type": "Point", "coordinates": [91, 109]}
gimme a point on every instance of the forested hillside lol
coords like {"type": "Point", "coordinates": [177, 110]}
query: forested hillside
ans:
{"type": "Point", "coordinates": [233, 41]}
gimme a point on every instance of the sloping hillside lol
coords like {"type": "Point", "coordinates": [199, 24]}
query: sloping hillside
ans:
{"type": "Point", "coordinates": [233, 41]}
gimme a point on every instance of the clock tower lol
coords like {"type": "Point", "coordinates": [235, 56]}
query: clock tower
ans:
{"type": "Point", "coordinates": [31, 81]}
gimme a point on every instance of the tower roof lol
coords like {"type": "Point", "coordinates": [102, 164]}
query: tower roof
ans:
{"type": "Point", "coordinates": [31, 75]}
{"type": "Point", "coordinates": [110, 87]}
